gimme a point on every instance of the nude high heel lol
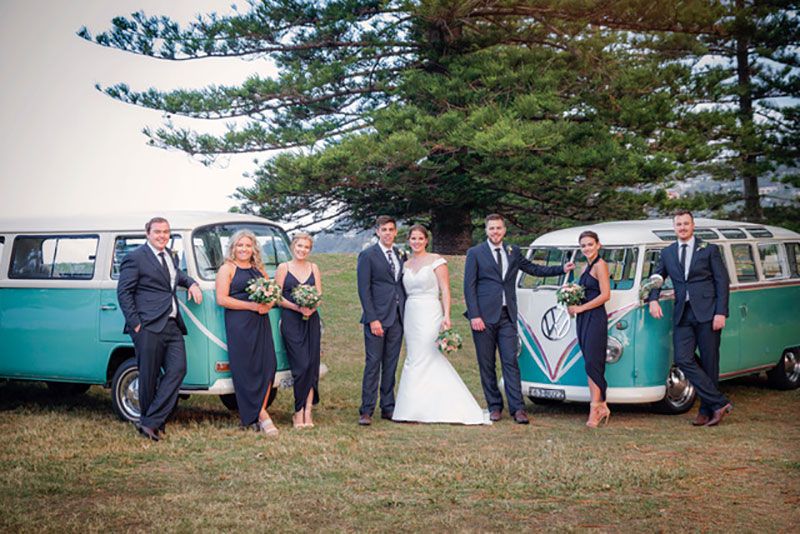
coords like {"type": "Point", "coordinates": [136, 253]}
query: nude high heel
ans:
{"type": "Point", "coordinates": [598, 414]}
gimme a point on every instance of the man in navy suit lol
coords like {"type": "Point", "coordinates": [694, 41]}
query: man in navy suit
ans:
{"type": "Point", "coordinates": [148, 278]}
{"type": "Point", "coordinates": [383, 298]}
{"type": "Point", "coordinates": [701, 306]}
{"type": "Point", "coordinates": [490, 276]}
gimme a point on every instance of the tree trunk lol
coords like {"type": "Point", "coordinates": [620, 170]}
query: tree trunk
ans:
{"type": "Point", "coordinates": [752, 202]}
{"type": "Point", "coordinates": [451, 231]}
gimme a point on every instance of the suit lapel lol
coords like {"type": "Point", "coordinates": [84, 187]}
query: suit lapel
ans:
{"type": "Point", "coordinates": [384, 259]}
{"type": "Point", "coordinates": [695, 253]}
{"type": "Point", "coordinates": [675, 256]}
{"type": "Point", "coordinates": [156, 263]}
{"type": "Point", "coordinates": [493, 259]}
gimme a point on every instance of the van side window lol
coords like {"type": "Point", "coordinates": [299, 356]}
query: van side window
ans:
{"type": "Point", "coordinates": [792, 254]}
{"type": "Point", "coordinates": [126, 243]}
{"type": "Point", "coordinates": [771, 261]}
{"type": "Point", "coordinates": [744, 263]}
{"type": "Point", "coordinates": [651, 256]}
{"type": "Point", "coordinates": [46, 257]}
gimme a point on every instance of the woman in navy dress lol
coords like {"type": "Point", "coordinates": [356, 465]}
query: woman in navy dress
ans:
{"type": "Point", "coordinates": [249, 334]}
{"type": "Point", "coordinates": [301, 337]}
{"type": "Point", "coordinates": [592, 325]}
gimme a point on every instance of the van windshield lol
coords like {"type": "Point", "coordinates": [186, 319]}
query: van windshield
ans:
{"type": "Point", "coordinates": [210, 245]}
{"type": "Point", "coordinates": [621, 266]}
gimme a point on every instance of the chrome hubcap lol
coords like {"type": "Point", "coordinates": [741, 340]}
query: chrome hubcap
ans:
{"type": "Point", "coordinates": [129, 389]}
{"type": "Point", "coordinates": [679, 390]}
{"type": "Point", "coordinates": [791, 366]}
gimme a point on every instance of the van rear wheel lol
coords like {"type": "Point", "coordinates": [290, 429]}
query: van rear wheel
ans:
{"type": "Point", "coordinates": [125, 391]}
{"type": "Point", "coordinates": [786, 374]}
{"type": "Point", "coordinates": [229, 400]}
{"type": "Point", "coordinates": [679, 396]}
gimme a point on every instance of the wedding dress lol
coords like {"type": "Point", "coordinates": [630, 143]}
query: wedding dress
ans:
{"type": "Point", "coordinates": [430, 389]}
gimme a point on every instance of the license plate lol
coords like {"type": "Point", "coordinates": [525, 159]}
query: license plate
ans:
{"type": "Point", "coordinates": [545, 393]}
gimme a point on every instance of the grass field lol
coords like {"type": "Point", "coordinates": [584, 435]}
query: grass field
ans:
{"type": "Point", "coordinates": [68, 465]}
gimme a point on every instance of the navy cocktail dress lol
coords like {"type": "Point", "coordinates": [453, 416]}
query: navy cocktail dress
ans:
{"type": "Point", "coordinates": [593, 331]}
{"type": "Point", "coordinates": [302, 341]}
{"type": "Point", "coordinates": [251, 351]}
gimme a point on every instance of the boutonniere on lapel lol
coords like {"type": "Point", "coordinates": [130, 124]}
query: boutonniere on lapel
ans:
{"type": "Point", "coordinates": [509, 249]}
{"type": "Point", "coordinates": [701, 245]}
{"type": "Point", "coordinates": [174, 254]}
{"type": "Point", "coordinates": [401, 253]}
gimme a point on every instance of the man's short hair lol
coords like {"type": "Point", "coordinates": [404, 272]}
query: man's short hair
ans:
{"type": "Point", "coordinates": [384, 219]}
{"type": "Point", "coordinates": [495, 217]}
{"type": "Point", "coordinates": [680, 212]}
{"type": "Point", "coordinates": [150, 223]}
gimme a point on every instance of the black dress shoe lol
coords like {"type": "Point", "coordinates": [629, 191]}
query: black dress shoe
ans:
{"type": "Point", "coordinates": [387, 415]}
{"type": "Point", "coordinates": [365, 419]}
{"type": "Point", "coordinates": [147, 432]}
{"type": "Point", "coordinates": [521, 417]}
{"type": "Point", "coordinates": [495, 416]}
{"type": "Point", "coordinates": [719, 414]}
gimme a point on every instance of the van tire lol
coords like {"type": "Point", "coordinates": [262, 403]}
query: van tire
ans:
{"type": "Point", "coordinates": [786, 374]}
{"type": "Point", "coordinates": [67, 389]}
{"type": "Point", "coordinates": [229, 400]}
{"type": "Point", "coordinates": [680, 394]}
{"type": "Point", "coordinates": [125, 391]}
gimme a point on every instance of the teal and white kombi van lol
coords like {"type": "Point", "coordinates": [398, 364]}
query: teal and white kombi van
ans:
{"type": "Point", "coordinates": [761, 334]}
{"type": "Point", "coordinates": [60, 321]}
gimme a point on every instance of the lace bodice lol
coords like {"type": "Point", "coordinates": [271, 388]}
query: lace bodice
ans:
{"type": "Point", "coordinates": [422, 283]}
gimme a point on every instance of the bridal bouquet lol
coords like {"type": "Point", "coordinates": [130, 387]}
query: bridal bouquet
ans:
{"type": "Point", "coordinates": [307, 297]}
{"type": "Point", "coordinates": [448, 341]}
{"type": "Point", "coordinates": [263, 291]}
{"type": "Point", "coordinates": [570, 294]}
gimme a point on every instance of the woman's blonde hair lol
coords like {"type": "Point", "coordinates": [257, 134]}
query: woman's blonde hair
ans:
{"type": "Point", "coordinates": [300, 236]}
{"type": "Point", "coordinates": [255, 260]}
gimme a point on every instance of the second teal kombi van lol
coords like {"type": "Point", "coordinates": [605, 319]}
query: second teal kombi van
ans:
{"type": "Point", "coordinates": [761, 334]}
{"type": "Point", "coordinates": [60, 321]}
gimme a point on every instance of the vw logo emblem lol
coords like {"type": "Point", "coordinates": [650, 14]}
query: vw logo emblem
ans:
{"type": "Point", "coordinates": [555, 323]}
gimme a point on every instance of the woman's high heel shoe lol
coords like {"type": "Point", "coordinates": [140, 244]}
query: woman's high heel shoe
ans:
{"type": "Point", "coordinates": [598, 414]}
{"type": "Point", "coordinates": [268, 427]}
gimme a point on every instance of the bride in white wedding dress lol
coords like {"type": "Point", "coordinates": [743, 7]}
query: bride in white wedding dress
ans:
{"type": "Point", "coordinates": [430, 389]}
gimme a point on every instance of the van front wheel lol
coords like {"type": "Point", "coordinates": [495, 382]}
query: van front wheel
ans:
{"type": "Point", "coordinates": [679, 396]}
{"type": "Point", "coordinates": [125, 391]}
{"type": "Point", "coordinates": [786, 375]}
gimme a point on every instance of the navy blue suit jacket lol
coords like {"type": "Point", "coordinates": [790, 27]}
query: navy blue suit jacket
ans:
{"type": "Point", "coordinates": [144, 291]}
{"type": "Point", "coordinates": [381, 295]}
{"type": "Point", "coordinates": [707, 283]}
{"type": "Point", "coordinates": [484, 284]}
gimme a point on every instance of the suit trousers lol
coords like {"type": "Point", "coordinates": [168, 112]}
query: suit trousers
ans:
{"type": "Point", "coordinates": [156, 351]}
{"type": "Point", "coordinates": [382, 354]}
{"type": "Point", "coordinates": [688, 335]}
{"type": "Point", "coordinates": [503, 337]}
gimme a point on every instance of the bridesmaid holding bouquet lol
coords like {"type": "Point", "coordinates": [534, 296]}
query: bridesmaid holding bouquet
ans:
{"type": "Point", "coordinates": [300, 326]}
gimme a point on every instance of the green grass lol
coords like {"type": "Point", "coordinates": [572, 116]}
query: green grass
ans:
{"type": "Point", "coordinates": [68, 465]}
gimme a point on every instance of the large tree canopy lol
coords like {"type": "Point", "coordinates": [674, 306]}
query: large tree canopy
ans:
{"type": "Point", "coordinates": [442, 111]}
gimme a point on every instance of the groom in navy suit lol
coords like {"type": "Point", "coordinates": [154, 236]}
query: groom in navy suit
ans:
{"type": "Point", "coordinates": [701, 306]}
{"type": "Point", "coordinates": [383, 298]}
{"type": "Point", "coordinates": [148, 278]}
{"type": "Point", "coordinates": [490, 276]}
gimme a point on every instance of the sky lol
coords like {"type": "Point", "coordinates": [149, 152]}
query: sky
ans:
{"type": "Point", "coordinates": [66, 148]}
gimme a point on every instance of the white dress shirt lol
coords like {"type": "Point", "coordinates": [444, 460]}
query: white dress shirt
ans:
{"type": "Point", "coordinates": [689, 253]}
{"type": "Point", "coordinates": [503, 261]}
{"type": "Point", "coordinates": [172, 274]}
{"type": "Point", "coordinates": [393, 257]}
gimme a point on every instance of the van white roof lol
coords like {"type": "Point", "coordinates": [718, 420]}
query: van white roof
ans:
{"type": "Point", "coordinates": [133, 222]}
{"type": "Point", "coordinates": [644, 231]}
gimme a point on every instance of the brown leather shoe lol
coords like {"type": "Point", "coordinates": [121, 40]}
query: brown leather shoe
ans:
{"type": "Point", "coordinates": [494, 415]}
{"type": "Point", "coordinates": [719, 414]}
{"type": "Point", "coordinates": [365, 419]}
{"type": "Point", "coordinates": [387, 415]}
{"type": "Point", "coordinates": [147, 432]}
{"type": "Point", "coordinates": [701, 419]}
{"type": "Point", "coordinates": [521, 417]}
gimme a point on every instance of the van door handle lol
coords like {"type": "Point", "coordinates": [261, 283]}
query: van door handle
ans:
{"type": "Point", "coordinates": [743, 309]}
{"type": "Point", "coordinates": [108, 307]}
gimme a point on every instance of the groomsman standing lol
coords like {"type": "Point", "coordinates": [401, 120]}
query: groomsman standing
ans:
{"type": "Point", "coordinates": [701, 306]}
{"type": "Point", "coordinates": [383, 298]}
{"type": "Point", "coordinates": [148, 278]}
{"type": "Point", "coordinates": [490, 276]}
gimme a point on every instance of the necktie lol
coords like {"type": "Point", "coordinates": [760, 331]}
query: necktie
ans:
{"type": "Point", "coordinates": [164, 265]}
{"type": "Point", "coordinates": [499, 259]}
{"type": "Point", "coordinates": [683, 258]}
{"type": "Point", "coordinates": [391, 263]}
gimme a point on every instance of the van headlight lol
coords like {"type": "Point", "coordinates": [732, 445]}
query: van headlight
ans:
{"type": "Point", "coordinates": [613, 350]}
